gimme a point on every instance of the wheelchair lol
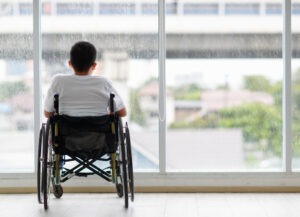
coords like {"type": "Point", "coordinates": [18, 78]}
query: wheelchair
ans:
{"type": "Point", "coordinates": [91, 145]}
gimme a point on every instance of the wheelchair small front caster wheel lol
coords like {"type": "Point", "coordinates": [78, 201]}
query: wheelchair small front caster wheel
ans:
{"type": "Point", "coordinates": [58, 191]}
{"type": "Point", "coordinates": [119, 190]}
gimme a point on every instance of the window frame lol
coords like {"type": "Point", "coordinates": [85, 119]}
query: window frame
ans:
{"type": "Point", "coordinates": [284, 178]}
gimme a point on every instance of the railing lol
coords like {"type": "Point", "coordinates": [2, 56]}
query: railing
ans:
{"type": "Point", "coordinates": [146, 7]}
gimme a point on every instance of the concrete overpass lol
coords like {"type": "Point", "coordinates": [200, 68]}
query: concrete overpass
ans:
{"type": "Point", "coordinates": [187, 37]}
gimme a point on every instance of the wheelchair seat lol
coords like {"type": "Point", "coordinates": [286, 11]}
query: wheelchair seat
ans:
{"type": "Point", "coordinates": [85, 137]}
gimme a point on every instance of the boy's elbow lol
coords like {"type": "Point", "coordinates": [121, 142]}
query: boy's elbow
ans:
{"type": "Point", "coordinates": [122, 112]}
{"type": "Point", "coordinates": [48, 114]}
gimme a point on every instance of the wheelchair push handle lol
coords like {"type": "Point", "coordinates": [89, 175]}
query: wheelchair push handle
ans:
{"type": "Point", "coordinates": [56, 103]}
{"type": "Point", "coordinates": [111, 102]}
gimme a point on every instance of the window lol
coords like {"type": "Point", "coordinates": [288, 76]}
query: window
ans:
{"type": "Point", "coordinates": [224, 83]}
{"type": "Point", "coordinates": [6, 9]}
{"type": "Point", "coordinates": [296, 8]}
{"type": "Point", "coordinates": [149, 9]}
{"type": "Point", "coordinates": [241, 9]}
{"type": "Point", "coordinates": [224, 108]}
{"type": "Point", "coordinates": [273, 9]}
{"type": "Point", "coordinates": [171, 8]}
{"type": "Point", "coordinates": [25, 8]}
{"type": "Point", "coordinates": [152, 9]}
{"type": "Point", "coordinates": [116, 8]}
{"type": "Point", "coordinates": [74, 9]}
{"type": "Point", "coordinates": [197, 8]}
{"type": "Point", "coordinates": [47, 8]}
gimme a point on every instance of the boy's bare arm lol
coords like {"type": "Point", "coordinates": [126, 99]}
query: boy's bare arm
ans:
{"type": "Point", "coordinates": [122, 112]}
{"type": "Point", "coordinates": [48, 114]}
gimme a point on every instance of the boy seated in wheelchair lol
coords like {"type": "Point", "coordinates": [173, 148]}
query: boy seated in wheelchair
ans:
{"type": "Point", "coordinates": [82, 94]}
{"type": "Point", "coordinates": [83, 125]}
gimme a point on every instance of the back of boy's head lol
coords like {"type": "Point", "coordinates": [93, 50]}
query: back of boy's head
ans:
{"type": "Point", "coordinates": [82, 56]}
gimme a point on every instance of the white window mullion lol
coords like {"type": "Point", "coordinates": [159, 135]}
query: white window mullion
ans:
{"type": "Point", "coordinates": [37, 54]}
{"type": "Point", "coordinates": [162, 85]}
{"type": "Point", "coordinates": [287, 101]}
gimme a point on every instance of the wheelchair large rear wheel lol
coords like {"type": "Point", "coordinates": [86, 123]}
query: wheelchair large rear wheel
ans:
{"type": "Point", "coordinates": [129, 162]}
{"type": "Point", "coordinates": [39, 164]}
{"type": "Point", "coordinates": [124, 164]}
{"type": "Point", "coordinates": [47, 165]}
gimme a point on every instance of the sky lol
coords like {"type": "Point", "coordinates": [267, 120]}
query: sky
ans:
{"type": "Point", "coordinates": [208, 73]}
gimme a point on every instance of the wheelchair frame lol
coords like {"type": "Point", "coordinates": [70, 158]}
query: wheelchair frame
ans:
{"type": "Point", "coordinates": [51, 166]}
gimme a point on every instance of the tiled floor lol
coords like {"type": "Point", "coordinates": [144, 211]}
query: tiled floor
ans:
{"type": "Point", "coordinates": [155, 205]}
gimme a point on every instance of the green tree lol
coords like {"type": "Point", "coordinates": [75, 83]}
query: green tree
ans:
{"type": "Point", "coordinates": [276, 92]}
{"type": "Point", "coordinates": [210, 120]}
{"type": "Point", "coordinates": [188, 92]}
{"type": "Point", "coordinates": [11, 88]}
{"type": "Point", "coordinates": [257, 83]}
{"type": "Point", "coordinates": [136, 113]}
{"type": "Point", "coordinates": [260, 123]}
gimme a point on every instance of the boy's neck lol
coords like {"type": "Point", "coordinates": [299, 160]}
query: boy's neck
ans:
{"type": "Point", "coordinates": [82, 73]}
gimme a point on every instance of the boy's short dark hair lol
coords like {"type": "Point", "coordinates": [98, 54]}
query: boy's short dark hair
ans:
{"type": "Point", "coordinates": [82, 56]}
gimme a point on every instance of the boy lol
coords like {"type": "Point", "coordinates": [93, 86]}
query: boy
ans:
{"type": "Point", "coordinates": [82, 94]}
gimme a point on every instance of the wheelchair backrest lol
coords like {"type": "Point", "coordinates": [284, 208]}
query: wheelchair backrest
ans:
{"type": "Point", "coordinates": [85, 137]}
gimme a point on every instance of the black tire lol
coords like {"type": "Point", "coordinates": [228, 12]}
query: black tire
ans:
{"type": "Point", "coordinates": [58, 191]}
{"type": "Point", "coordinates": [39, 164]}
{"type": "Point", "coordinates": [124, 163]}
{"type": "Point", "coordinates": [46, 170]}
{"type": "Point", "coordinates": [129, 162]}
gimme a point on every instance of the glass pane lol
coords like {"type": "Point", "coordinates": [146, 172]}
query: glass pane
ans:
{"type": "Point", "coordinates": [126, 41]}
{"type": "Point", "coordinates": [16, 88]}
{"type": "Point", "coordinates": [295, 86]}
{"type": "Point", "coordinates": [224, 79]}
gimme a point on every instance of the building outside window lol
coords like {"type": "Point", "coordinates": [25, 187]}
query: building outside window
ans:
{"type": "Point", "coordinates": [273, 9]}
{"type": "Point", "coordinates": [242, 9]}
{"type": "Point", "coordinates": [149, 8]}
{"type": "Point", "coordinates": [296, 8]}
{"type": "Point", "coordinates": [74, 8]}
{"type": "Point", "coordinates": [6, 9]}
{"type": "Point", "coordinates": [25, 8]}
{"type": "Point", "coordinates": [200, 9]}
{"type": "Point", "coordinates": [117, 8]}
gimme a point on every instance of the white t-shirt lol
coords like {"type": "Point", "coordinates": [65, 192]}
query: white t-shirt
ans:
{"type": "Point", "coordinates": [86, 95]}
